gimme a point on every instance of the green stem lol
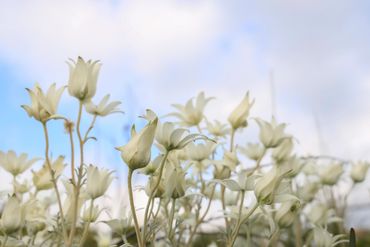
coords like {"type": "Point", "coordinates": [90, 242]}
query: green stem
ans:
{"type": "Point", "coordinates": [240, 223]}
{"type": "Point", "coordinates": [237, 227]}
{"type": "Point", "coordinates": [132, 206]}
{"type": "Point", "coordinates": [87, 225]}
{"type": "Point", "coordinates": [232, 136]}
{"type": "Point", "coordinates": [77, 187]}
{"type": "Point", "coordinates": [171, 218]}
{"type": "Point", "coordinates": [200, 221]}
{"type": "Point", "coordinates": [90, 128]}
{"type": "Point", "coordinates": [53, 179]}
{"type": "Point", "coordinates": [152, 194]}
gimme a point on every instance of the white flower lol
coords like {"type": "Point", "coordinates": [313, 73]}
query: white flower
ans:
{"type": "Point", "coordinates": [12, 215]}
{"type": "Point", "coordinates": [98, 181]}
{"type": "Point", "coordinates": [90, 215]}
{"type": "Point", "coordinates": [359, 171]}
{"type": "Point", "coordinates": [190, 114]}
{"type": "Point", "coordinates": [169, 138]}
{"type": "Point", "coordinates": [83, 77]}
{"type": "Point", "coordinates": [174, 180]}
{"type": "Point", "coordinates": [137, 152]}
{"type": "Point", "coordinates": [308, 191]}
{"type": "Point", "coordinates": [271, 134]}
{"type": "Point", "coordinates": [103, 108]}
{"type": "Point", "coordinates": [217, 128]}
{"type": "Point", "coordinates": [238, 117]}
{"type": "Point", "coordinates": [201, 151]}
{"type": "Point", "coordinates": [254, 151]}
{"type": "Point", "coordinates": [287, 212]}
{"type": "Point", "coordinates": [267, 186]}
{"type": "Point", "coordinates": [283, 151]}
{"type": "Point", "coordinates": [323, 238]}
{"type": "Point", "coordinates": [42, 178]}
{"type": "Point", "coordinates": [330, 174]}
{"type": "Point", "coordinates": [43, 106]}
{"type": "Point", "coordinates": [15, 164]}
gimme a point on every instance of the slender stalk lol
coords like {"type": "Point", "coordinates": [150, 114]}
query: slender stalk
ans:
{"type": "Point", "coordinates": [70, 132]}
{"type": "Point", "coordinates": [14, 185]}
{"type": "Point", "coordinates": [172, 214]}
{"type": "Point", "coordinates": [224, 205]}
{"type": "Point", "coordinates": [52, 174]}
{"type": "Point", "coordinates": [133, 211]}
{"type": "Point", "coordinates": [240, 223]}
{"type": "Point", "coordinates": [77, 187]}
{"type": "Point", "coordinates": [5, 240]}
{"type": "Point", "coordinates": [298, 231]}
{"type": "Point", "coordinates": [237, 227]}
{"type": "Point", "coordinates": [200, 221]}
{"type": "Point", "coordinates": [232, 137]}
{"type": "Point", "coordinates": [152, 194]}
{"type": "Point", "coordinates": [87, 225]}
{"type": "Point", "coordinates": [90, 128]}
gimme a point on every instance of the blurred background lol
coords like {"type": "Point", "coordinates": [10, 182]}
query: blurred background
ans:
{"type": "Point", "coordinates": [306, 62]}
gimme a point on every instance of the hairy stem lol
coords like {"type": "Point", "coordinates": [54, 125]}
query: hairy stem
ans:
{"type": "Point", "coordinates": [87, 225]}
{"type": "Point", "coordinates": [53, 179]}
{"type": "Point", "coordinates": [152, 194]}
{"type": "Point", "coordinates": [132, 206]}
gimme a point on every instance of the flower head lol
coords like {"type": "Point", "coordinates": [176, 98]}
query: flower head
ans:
{"type": "Point", "coordinates": [217, 128]}
{"type": "Point", "coordinates": [137, 152]}
{"type": "Point", "coordinates": [83, 77]}
{"type": "Point", "coordinates": [98, 181]}
{"type": "Point", "coordinates": [286, 214]}
{"type": "Point", "coordinates": [103, 108]}
{"type": "Point", "coordinates": [191, 114]}
{"type": "Point", "coordinates": [12, 216]}
{"type": "Point", "coordinates": [170, 138]}
{"type": "Point", "coordinates": [271, 134]}
{"type": "Point", "coordinates": [330, 174]}
{"type": "Point", "coordinates": [238, 117]}
{"type": "Point", "coordinates": [254, 151]}
{"type": "Point", "coordinates": [15, 164]}
{"type": "Point", "coordinates": [42, 178]}
{"type": "Point", "coordinates": [43, 106]}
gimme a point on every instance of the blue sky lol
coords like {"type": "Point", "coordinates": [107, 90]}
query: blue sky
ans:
{"type": "Point", "coordinates": [158, 53]}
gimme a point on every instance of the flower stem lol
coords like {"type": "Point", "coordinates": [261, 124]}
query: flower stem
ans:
{"type": "Point", "coordinates": [171, 219]}
{"type": "Point", "coordinates": [53, 179]}
{"type": "Point", "coordinates": [77, 187]}
{"type": "Point", "coordinates": [241, 222]}
{"type": "Point", "coordinates": [152, 194]}
{"type": "Point", "coordinates": [86, 229]}
{"type": "Point", "coordinates": [132, 206]}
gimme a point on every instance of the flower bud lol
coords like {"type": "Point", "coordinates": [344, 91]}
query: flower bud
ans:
{"type": "Point", "coordinates": [137, 152]}
{"type": "Point", "coordinates": [238, 117]}
{"type": "Point", "coordinates": [12, 216]}
{"type": "Point", "coordinates": [83, 77]}
{"type": "Point", "coordinates": [359, 171]}
{"type": "Point", "coordinates": [330, 174]}
{"type": "Point", "coordinates": [286, 214]}
{"type": "Point", "coordinates": [98, 181]}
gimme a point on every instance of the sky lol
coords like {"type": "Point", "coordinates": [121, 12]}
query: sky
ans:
{"type": "Point", "coordinates": [307, 62]}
